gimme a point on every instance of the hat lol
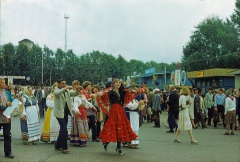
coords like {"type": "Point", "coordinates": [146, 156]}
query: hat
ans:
{"type": "Point", "coordinates": [210, 88]}
{"type": "Point", "coordinates": [156, 90]}
{"type": "Point", "coordinates": [165, 91]}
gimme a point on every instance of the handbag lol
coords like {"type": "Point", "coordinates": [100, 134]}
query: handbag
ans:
{"type": "Point", "coordinates": [4, 119]}
{"type": "Point", "coordinates": [155, 117]}
{"type": "Point", "coordinates": [141, 107]}
{"type": "Point", "coordinates": [149, 111]}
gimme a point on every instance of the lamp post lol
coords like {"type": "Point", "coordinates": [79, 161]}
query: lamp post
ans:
{"type": "Point", "coordinates": [42, 68]}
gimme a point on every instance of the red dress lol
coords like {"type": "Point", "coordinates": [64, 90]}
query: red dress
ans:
{"type": "Point", "coordinates": [117, 128]}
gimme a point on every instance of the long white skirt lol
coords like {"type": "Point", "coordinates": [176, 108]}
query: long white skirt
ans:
{"type": "Point", "coordinates": [184, 122]}
{"type": "Point", "coordinates": [31, 128]}
{"type": "Point", "coordinates": [134, 121]}
{"type": "Point", "coordinates": [54, 127]}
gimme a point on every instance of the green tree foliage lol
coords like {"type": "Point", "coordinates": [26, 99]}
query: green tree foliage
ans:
{"type": "Point", "coordinates": [209, 43]}
{"type": "Point", "coordinates": [235, 17]}
{"type": "Point", "coordinates": [8, 59]}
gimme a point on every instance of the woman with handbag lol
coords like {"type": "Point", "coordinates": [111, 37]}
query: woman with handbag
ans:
{"type": "Point", "coordinates": [184, 118]}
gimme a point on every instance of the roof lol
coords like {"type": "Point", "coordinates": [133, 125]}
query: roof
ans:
{"type": "Point", "coordinates": [157, 73]}
{"type": "Point", "coordinates": [235, 72]}
{"type": "Point", "coordinates": [215, 72]}
{"type": "Point", "coordinates": [25, 40]}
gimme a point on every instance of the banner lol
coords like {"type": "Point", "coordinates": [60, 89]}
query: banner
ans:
{"type": "Point", "coordinates": [177, 77]}
{"type": "Point", "coordinates": [183, 77]}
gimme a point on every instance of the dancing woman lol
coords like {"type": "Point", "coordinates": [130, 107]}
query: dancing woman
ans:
{"type": "Point", "coordinates": [117, 127]}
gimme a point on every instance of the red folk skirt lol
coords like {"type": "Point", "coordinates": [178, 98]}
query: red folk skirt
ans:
{"type": "Point", "coordinates": [117, 127]}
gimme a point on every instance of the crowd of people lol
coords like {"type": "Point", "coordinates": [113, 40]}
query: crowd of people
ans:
{"type": "Point", "coordinates": [113, 113]}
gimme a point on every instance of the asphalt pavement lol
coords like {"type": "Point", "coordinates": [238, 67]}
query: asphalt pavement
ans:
{"type": "Point", "coordinates": [155, 145]}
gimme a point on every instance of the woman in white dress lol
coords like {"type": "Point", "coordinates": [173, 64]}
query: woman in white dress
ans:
{"type": "Point", "coordinates": [184, 119]}
{"type": "Point", "coordinates": [29, 114]}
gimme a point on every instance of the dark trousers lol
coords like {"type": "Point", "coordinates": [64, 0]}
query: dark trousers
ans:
{"type": "Point", "coordinates": [98, 128]}
{"type": "Point", "coordinates": [7, 138]}
{"type": "Point", "coordinates": [199, 117]}
{"type": "Point", "coordinates": [42, 107]}
{"type": "Point", "coordinates": [140, 118]}
{"type": "Point", "coordinates": [157, 122]}
{"type": "Point", "coordinates": [63, 133]}
{"type": "Point", "coordinates": [92, 126]}
{"type": "Point", "coordinates": [171, 121]}
{"type": "Point", "coordinates": [210, 115]}
{"type": "Point", "coordinates": [221, 111]}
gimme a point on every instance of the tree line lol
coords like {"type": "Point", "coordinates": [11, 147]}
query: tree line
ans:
{"type": "Point", "coordinates": [95, 66]}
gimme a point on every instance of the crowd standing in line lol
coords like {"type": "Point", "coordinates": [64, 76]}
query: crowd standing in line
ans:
{"type": "Point", "coordinates": [124, 109]}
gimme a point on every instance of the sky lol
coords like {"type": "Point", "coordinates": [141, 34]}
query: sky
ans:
{"type": "Point", "coordinates": [146, 30]}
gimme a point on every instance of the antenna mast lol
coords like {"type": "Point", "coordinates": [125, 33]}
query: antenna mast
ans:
{"type": "Point", "coordinates": [0, 22]}
{"type": "Point", "coordinates": [66, 17]}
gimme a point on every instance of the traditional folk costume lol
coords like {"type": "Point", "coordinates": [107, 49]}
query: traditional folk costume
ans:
{"type": "Point", "coordinates": [117, 128]}
{"type": "Point", "coordinates": [91, 115]}
{"type": "Point", "coordinates": [132, 113]}
{"type": "Point", "coordinates": [50, 127]}
{"type": "Point", "coordinates": [79, 131]}
{"type": "Point", "coordinates": [31, 126]}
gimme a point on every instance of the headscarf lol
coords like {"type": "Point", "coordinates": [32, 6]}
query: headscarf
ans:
{"type": "Point", "coordinates": [54, 84]}
{"type": "Point", "coordinates": [25, 91]}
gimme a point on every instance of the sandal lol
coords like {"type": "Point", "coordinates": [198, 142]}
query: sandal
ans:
{"type": "Point", "coordinates": [177, 141]}
{"type": "Point", "coordinates": [226, 133]}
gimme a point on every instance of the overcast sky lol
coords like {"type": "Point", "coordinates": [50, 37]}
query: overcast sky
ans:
{"type": "Point", "coordinates": [137, 29]}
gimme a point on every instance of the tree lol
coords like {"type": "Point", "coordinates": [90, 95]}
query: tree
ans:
{"type": "Point", "coordinates": [212, 39]}
{"type": "Point", "coordinates": [8, 60]}
{"type": "Point", "coordinates": [235, 17]}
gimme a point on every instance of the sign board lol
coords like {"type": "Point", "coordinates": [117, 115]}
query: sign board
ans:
{"type": "Point", "coordinates": [177, 77]}
{"type": "Point", "coordinates": [200, 74]}
{"type": "Point", "coordinates": [150, 70]}
{"type": "Point", "coordinates": [183, 77]}
{"type": "Point", "coordinates": [173, 77]}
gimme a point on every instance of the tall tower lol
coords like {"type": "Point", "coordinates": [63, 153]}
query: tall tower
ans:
{"type": "Point", "coordinates": [0, 22]}
{"type": "Point", "coordinates": [66, 17]}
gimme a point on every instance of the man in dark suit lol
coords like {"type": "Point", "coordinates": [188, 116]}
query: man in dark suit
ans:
{"type": "Point", "coordinates": [173, 109]}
